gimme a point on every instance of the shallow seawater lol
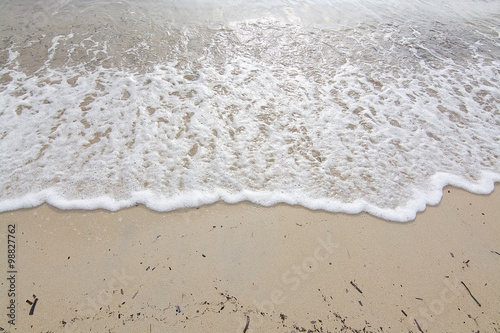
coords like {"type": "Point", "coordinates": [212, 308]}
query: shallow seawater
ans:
{"type": "Point", "coordinates": [345, 106]}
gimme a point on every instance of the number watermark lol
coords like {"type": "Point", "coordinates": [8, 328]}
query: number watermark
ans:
{"type": "Point", "coordinates": [11, 274]}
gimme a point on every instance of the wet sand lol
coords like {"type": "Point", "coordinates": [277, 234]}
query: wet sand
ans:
{"type": "Point", "coordinates": [246, 268]}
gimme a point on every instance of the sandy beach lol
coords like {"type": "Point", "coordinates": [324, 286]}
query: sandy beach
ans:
{"type": "Point", "coordinates": [246, 268]}
{"type": "Point", "coordinates": [337, 104]}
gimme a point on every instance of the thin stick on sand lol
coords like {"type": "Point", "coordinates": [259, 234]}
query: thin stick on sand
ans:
{"type": "Point", "coordinates": [32, 310]}
{"type": "Point", "coordinates": [418, 326]}
{"type": "Point", "coordinates": [246, 325]}
{"type": "Point", "coordinates": [471, 294]}
{"type": "Point", "coordinates": [355, 286]}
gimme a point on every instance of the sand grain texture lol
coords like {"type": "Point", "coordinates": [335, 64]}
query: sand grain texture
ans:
{"type": "Point", "coordinates": [285, 268]}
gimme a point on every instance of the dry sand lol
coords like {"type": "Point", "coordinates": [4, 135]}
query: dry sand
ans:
{"type": "Point", "coordinates": [279, 269]}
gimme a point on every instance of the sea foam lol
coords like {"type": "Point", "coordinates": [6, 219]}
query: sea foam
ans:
{"type": "Point", "coordinates": [115, 107]}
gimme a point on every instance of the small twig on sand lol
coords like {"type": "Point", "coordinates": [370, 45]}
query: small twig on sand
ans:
{"type": "Point", "coordinates": [246, 325]}
{"type": "Point", "coordinates": [418, 326]}
{"type": "Point", "coordinates": [471, 294]}
{"type": "Point", "coordinates": [32, 310]}
{"type": "Point", "coordinates": [355, 286]}
{"type": "Point", "coordinates": [495, 252]}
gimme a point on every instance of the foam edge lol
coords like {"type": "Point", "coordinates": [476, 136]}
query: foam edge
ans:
{"type": "Point", "coordinates": [406, 213]}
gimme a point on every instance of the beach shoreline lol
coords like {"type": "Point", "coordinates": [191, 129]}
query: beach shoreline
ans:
{"type": "Point", "coordinates": [244, 267]}
{"type": "Point", "coordinates": [333, 105]}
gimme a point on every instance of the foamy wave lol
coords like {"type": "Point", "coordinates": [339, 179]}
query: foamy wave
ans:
{"type": "Point", "coordinates": [374, 118]}
{"type": "Point", "coordinates": [187, 199]}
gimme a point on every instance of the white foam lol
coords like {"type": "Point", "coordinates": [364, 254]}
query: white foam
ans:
{"type": "Point", "coordinates": [372, 116]}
